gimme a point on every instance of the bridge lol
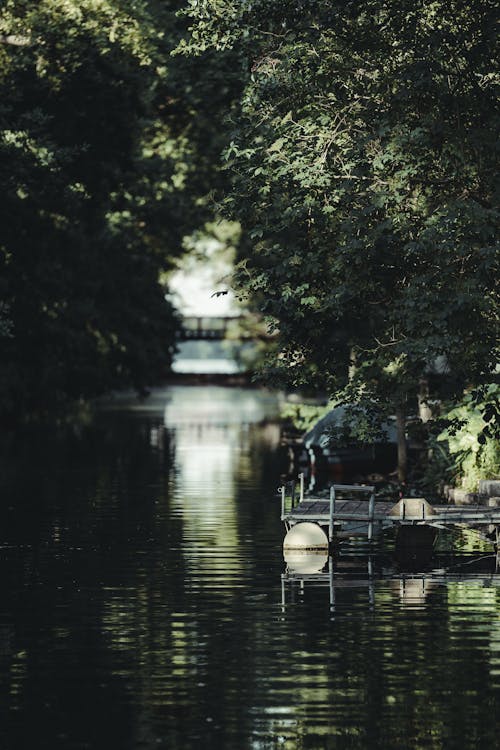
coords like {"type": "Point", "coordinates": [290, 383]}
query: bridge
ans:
{"type": "Point", "coordinates": [212, 328]}
{"type": "Point", "coordinates": [208, 328]}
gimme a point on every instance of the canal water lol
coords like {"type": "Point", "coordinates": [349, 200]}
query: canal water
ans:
{"type": "Point", "coordinates": [144, 603]}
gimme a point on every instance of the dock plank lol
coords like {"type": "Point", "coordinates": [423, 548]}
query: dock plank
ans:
{"type": "Point", "coordinates": [318, 510]}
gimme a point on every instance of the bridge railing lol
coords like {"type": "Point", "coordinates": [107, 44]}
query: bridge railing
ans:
{"type": "Point", "coordinates": [207, 328]}
{"type": "Point", "coordinates": [248, 327]}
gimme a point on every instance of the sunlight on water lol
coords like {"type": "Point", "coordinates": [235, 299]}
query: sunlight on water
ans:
{"type": "Point", "coordinates": [206, 357]}
{"type": "Point", "coordinates": [205, 366]}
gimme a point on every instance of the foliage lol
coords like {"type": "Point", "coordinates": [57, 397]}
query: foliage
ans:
{"type": "Point", "coordinates": [471, 439]}
{"type": "Point", "coordinates": [352, 424]}
{"type": "Point", "coordinates": [363, 170]}
{"type": "Point", "coordinates": [107, 147]}
{"type": "Point", "coordinates": [362, 165]}
{"type": "Point", "coordinates": [302, 416]}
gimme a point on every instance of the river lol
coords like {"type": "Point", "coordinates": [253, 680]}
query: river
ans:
{"type": "Point", "coordinates": [143, 605]}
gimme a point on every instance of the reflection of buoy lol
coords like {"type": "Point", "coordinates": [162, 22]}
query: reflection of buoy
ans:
{"type": "Point", "coordinates": [306, 536]}
{"type": "Point", "coordinates": [413, 592]}
{"type": "Point", "coordinates": [305, 561]}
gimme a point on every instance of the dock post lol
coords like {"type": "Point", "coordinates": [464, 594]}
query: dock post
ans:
{"type": "Point", "coordinates": [332, 513]}
{"type": "Point", "coordinates": [282, 491]}
{"type": "Point", "coordinates": [332, 586]}
{"type": "Point", "coordinates": [301, 479]}
{"type": "Point", "coordinates": [292, 483]}
{"type": "Point", "coordinates": [371, 590]}
{"type": "Point", "coordinates": [371, 513]}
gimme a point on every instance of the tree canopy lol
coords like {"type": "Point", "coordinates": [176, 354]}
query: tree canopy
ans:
{"type": "Point", "coordinates": [107, 147]}
{"type": "Point", "coordinates": [359, 154]}
{"type": "Point", "coordinates": [364, 164]}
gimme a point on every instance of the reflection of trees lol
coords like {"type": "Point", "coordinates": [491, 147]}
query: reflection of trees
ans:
{"type": "Point", "coordinates": [132, 597]}
{"type": "Point", "coordinates": [394, 678]}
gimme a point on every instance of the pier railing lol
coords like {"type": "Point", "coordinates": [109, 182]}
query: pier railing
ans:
{"type": "Point", "coordinates": [335, 489]}
{"type": "Point", "coordinates": [292, 497]}
{"type": "Point", "coordinates": [344, 506]}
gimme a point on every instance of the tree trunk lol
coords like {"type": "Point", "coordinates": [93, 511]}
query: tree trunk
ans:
{"type": "Point", "coordinates": [402, 452]}
{"type": "Point", "coordinates": [424, 409]}
{"type": "Point", "coordinates": [352, 363]}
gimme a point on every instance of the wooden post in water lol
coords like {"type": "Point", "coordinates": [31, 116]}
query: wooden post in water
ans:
{"type": "Point", "coordinates": [332, 513]}
{"type": "Point", "coordinates": [301, 478]}
{"type": "Point", "coordinates": [371, 513]}
{"type": "Point", "coordinates": [332, 586]}
{"type": "Point", "coordinates": [282, 491]}
{"type": "Point", "coordinates": [371, 590]}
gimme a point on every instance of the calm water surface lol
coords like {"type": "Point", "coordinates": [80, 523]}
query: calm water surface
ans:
{"type": "Point", "coordinates": [143, 604]}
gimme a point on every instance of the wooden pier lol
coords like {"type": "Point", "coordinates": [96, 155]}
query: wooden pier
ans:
{"type": "Point", "coordinates": [349, 506]}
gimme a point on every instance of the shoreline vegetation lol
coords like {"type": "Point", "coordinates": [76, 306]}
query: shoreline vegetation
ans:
{"type": "Point", "coordinates": [447, 458]}
{"type": "Point", "coordinates": [343, 155]}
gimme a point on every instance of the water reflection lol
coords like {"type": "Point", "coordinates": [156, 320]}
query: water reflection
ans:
{"type": "Point", "coordinates": [214, 461]}
{"type": "Point", "coordinates": [313, 568]}
{"type": "Point", "coordinates": [142, 606]}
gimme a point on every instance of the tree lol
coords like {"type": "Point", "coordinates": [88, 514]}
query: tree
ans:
{"type": "Point", "coordinates": [107, 149]}
{"type": "Point", "coordinates": [363, 169]}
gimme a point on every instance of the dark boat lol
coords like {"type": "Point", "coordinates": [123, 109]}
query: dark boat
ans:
{"type": "Point", "coordinates": [338, 460]}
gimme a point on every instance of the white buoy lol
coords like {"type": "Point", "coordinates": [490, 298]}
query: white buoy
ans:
{"type": "Point", "coordinates": [305, 561]}
{"type": "Point", "coordinates": [306, 536]}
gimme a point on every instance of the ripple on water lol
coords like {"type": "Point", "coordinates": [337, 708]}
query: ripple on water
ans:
{"type": "Point", "coordinates": [144, 605]}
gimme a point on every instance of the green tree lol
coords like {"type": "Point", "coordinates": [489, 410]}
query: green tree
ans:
{"type": "Point", "coordinates": [107, 146]}
{"type": "Point", "coordinates": [363, 167]}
